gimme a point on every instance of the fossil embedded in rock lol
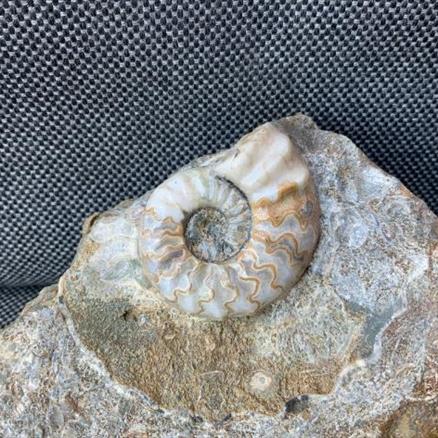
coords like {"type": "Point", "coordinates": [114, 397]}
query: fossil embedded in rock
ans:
{"type": "Point", "coordinates": [234, 232]}
{"type": "Point", "coordinates": [350, 349]}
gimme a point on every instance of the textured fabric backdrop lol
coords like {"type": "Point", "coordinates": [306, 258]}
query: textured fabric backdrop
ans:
{"type": "Point", "coordinates": [100, 101]}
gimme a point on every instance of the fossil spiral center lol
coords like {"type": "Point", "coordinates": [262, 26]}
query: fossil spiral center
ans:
{"type": "Point", "coordinates": [213, 236]}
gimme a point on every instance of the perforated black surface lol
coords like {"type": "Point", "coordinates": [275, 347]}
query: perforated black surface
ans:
{"type": "Point", "coordinates": [13, 299]}
{"type": "Point", "coordinates": [100, 101]}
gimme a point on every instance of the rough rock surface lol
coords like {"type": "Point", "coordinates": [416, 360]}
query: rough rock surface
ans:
{"type": "Point", "coordinates": [351, 351]}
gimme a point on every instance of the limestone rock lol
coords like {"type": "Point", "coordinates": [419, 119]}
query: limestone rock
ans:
{"type": "Point", "coordinates": [353, 351]}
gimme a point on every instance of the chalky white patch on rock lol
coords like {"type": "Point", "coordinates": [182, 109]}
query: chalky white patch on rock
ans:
{"type": "Point", "coordinates": [260, 382]}
{"type": "Point", "coordinates": [369, 297]}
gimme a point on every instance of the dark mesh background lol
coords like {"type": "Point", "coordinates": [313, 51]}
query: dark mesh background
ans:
{"type": "Point", "coordinates": [100, 101]}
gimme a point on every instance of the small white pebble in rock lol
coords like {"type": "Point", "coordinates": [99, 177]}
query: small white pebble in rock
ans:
{"type": "Point", "coordinates": [260, 382]}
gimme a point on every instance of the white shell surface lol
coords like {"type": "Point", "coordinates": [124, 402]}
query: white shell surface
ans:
{"type": "Point", "coordinates": [263, 190]}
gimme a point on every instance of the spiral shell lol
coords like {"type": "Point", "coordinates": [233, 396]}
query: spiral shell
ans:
{"type": "Point", "coordinates": [233, 234]}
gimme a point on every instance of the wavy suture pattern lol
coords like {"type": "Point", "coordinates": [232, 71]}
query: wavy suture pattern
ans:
{"type": "Point", "coordinates": [264, 190]}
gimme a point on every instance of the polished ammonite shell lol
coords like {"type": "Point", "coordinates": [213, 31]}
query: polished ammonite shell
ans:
{"type": "Point", "coordinates": [235, 231]}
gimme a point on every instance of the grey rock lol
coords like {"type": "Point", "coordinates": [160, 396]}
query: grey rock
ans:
{"type": "Point", "coordinates": [359, 333]}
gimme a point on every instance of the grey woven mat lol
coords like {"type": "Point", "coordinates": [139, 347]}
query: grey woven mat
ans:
{"type": "Point", "coordinates": [100, 101]}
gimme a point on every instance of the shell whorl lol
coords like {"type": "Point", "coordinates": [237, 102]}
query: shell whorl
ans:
{"type": "Point", "coordinates": [228, 237]}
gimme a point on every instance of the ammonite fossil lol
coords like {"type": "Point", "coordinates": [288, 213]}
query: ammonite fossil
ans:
{"type": "Point", "coordinates": [235, 231]}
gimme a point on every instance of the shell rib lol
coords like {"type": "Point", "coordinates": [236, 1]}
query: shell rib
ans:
{"type": "Point", "coordinates": [231, 236]}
